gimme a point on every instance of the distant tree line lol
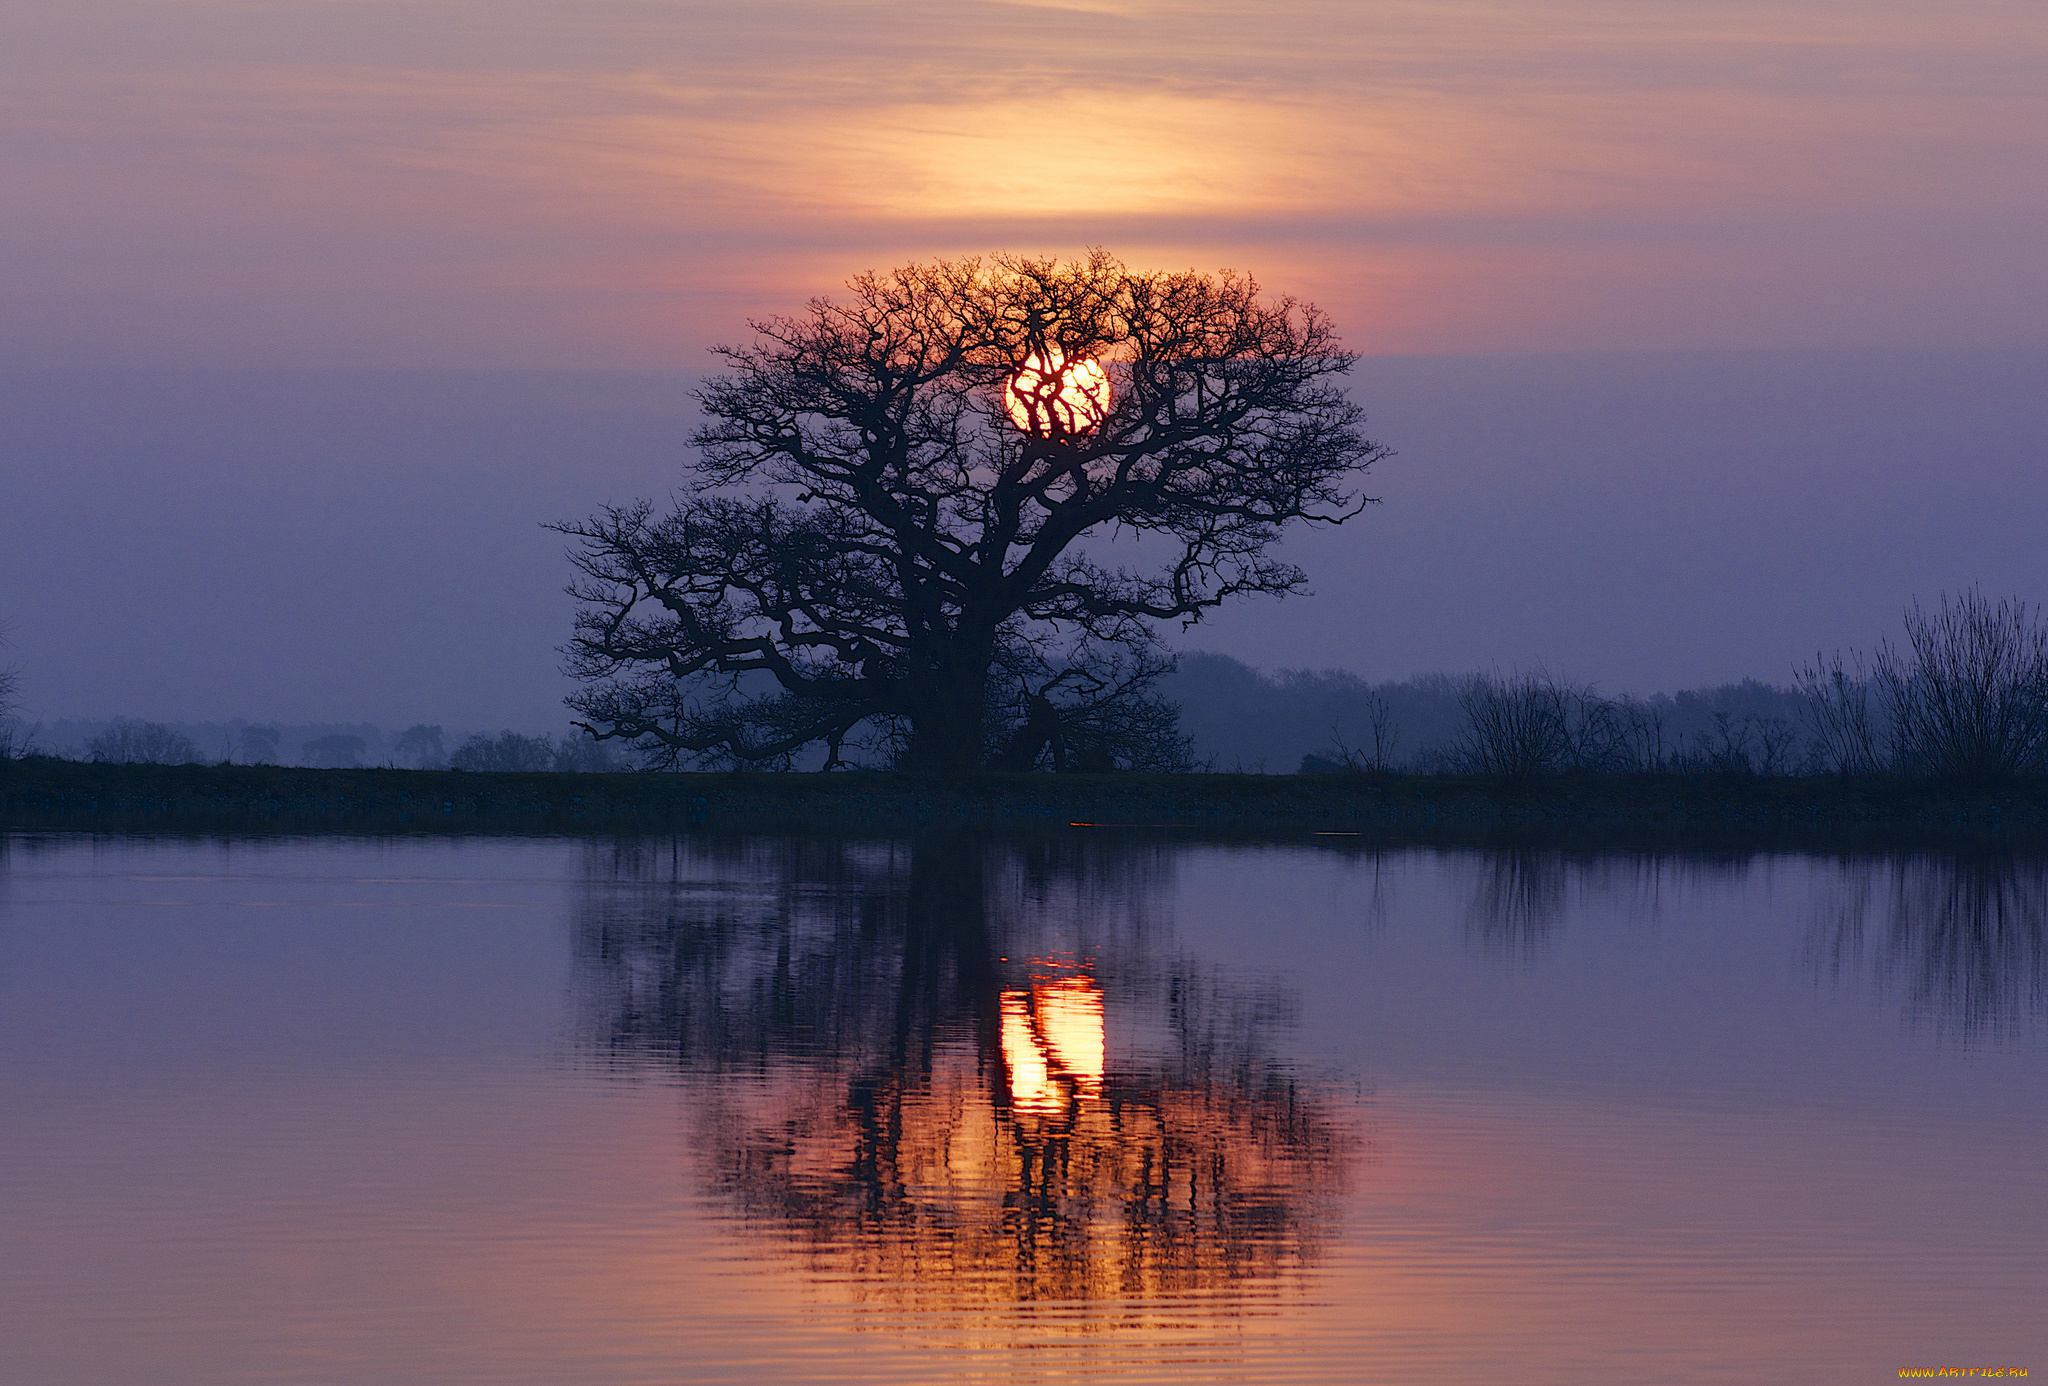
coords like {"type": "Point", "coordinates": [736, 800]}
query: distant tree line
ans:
{"type": "Point", "coordinates": [509, 750]}
{"type": "Point", "coordinates": [131, 741]}
{"type": "Point", "coordinates": [1528, 723]}
{"type": "Point", "coordinates": [1964, 697]}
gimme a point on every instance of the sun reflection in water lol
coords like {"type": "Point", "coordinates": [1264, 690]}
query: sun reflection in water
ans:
{"type": "Point", "coordinates": [1052, 1037]}
{"type": "Point", "coordinates": [930, 1125]}
{"type": "Point", "coordinates": [1070, 1013]}
{"type": "Point", "coordinates": [1032, 1088]}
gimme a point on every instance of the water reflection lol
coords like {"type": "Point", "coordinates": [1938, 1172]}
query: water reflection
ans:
{"type": "Point", "coordinates": [1962, 939]}
{"type": "Point", "coordinates": [1518, 898]}
{"type": "Point", "coordinates": [961, 1072]}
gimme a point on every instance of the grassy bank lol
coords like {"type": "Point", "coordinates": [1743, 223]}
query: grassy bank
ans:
{"type": "Point", "coordinates": [1669, 809]}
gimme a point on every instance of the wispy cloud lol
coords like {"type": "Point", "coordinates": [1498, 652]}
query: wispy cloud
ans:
{"type": "Point", "coordinates": [619, 176]}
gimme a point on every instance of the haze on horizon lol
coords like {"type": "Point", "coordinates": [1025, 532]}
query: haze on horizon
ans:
{"type": "Point", "coordinates": [1800, 241]}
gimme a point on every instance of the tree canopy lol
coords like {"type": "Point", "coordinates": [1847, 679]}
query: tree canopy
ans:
{"type": "Point", "coordinates": [944, 515]}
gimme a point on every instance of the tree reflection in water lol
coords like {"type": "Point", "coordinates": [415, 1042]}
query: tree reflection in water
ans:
{"type": "Point", "coordinates": [1964, 939]}
{"type": "Point", "coordinates": [962, 1072]}
{"type": "Point", "coordinates": [1518, 899]}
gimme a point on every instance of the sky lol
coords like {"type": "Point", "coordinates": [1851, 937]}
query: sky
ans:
{"type": "Point", "coordinates": [1706, 332]}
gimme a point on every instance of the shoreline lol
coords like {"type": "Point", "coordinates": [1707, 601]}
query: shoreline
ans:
{"type": "Point", "coordinates": [1698, 811]}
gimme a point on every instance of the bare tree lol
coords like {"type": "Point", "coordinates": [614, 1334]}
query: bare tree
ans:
{"type": "Point", "coordinates": [898, 520]}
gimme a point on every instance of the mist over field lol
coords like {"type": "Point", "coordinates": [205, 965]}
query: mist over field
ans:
{"type": "Point", "coordinates": [1239, 720]}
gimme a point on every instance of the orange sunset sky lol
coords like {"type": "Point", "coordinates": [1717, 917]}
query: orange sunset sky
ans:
{"type": "Point", "coordinates": [598, 183]}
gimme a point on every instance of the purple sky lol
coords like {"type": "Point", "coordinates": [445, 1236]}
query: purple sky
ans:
{"type": "Point", "coordinates": [1707, 333]}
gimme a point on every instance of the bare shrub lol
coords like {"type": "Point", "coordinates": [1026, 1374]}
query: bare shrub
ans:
{"type": "Point", "coordinates": [1599, 731]}
{"type": "Point", "coordinates": [1740, 745]}
{"type": "Point", "coordinates": [1514, 726]}
{"type": "Point", "coordinates": [1530, 724]}
{"type": "Point", "coordinates": [1838, 715]}
{"type": "Point", "coordinates": [1777, 746]}
{"type": "Point", "coordinates": [1518, 726]}
{"type": "Point", "coordinates": [1374, 758]}
{"type": "Point", "coordinates": [13, 741]}
{"type": "Point", "coordinates": [141, 743]}
{"type": "Point", "coordinates": [507, 751]}
{"type": "Point", "coordinates": [1640, 741]}
{"type": "Point", "coordinates": [1968, 696]}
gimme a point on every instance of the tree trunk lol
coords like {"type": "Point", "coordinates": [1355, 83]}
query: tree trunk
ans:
{"type": "Point", "coordinates": [946, 725]}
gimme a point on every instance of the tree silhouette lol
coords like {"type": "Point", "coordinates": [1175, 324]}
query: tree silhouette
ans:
{"type": "Point", "coordinates": [897, 525]}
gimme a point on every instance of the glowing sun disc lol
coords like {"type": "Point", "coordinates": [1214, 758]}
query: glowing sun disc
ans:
{"type": "Point", "coordinates": [1052, 397]}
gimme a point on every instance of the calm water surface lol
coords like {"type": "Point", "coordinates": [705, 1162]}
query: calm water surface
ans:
{"type": "Point", "coordinates": [671, 1111]}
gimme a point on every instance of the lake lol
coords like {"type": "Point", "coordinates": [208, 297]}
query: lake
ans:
{"type": "Point", "coordinates": [1093, 1108]}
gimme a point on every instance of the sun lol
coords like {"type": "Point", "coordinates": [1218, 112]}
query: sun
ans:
{"type": "Point", "coordinates": [1052, 397]}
